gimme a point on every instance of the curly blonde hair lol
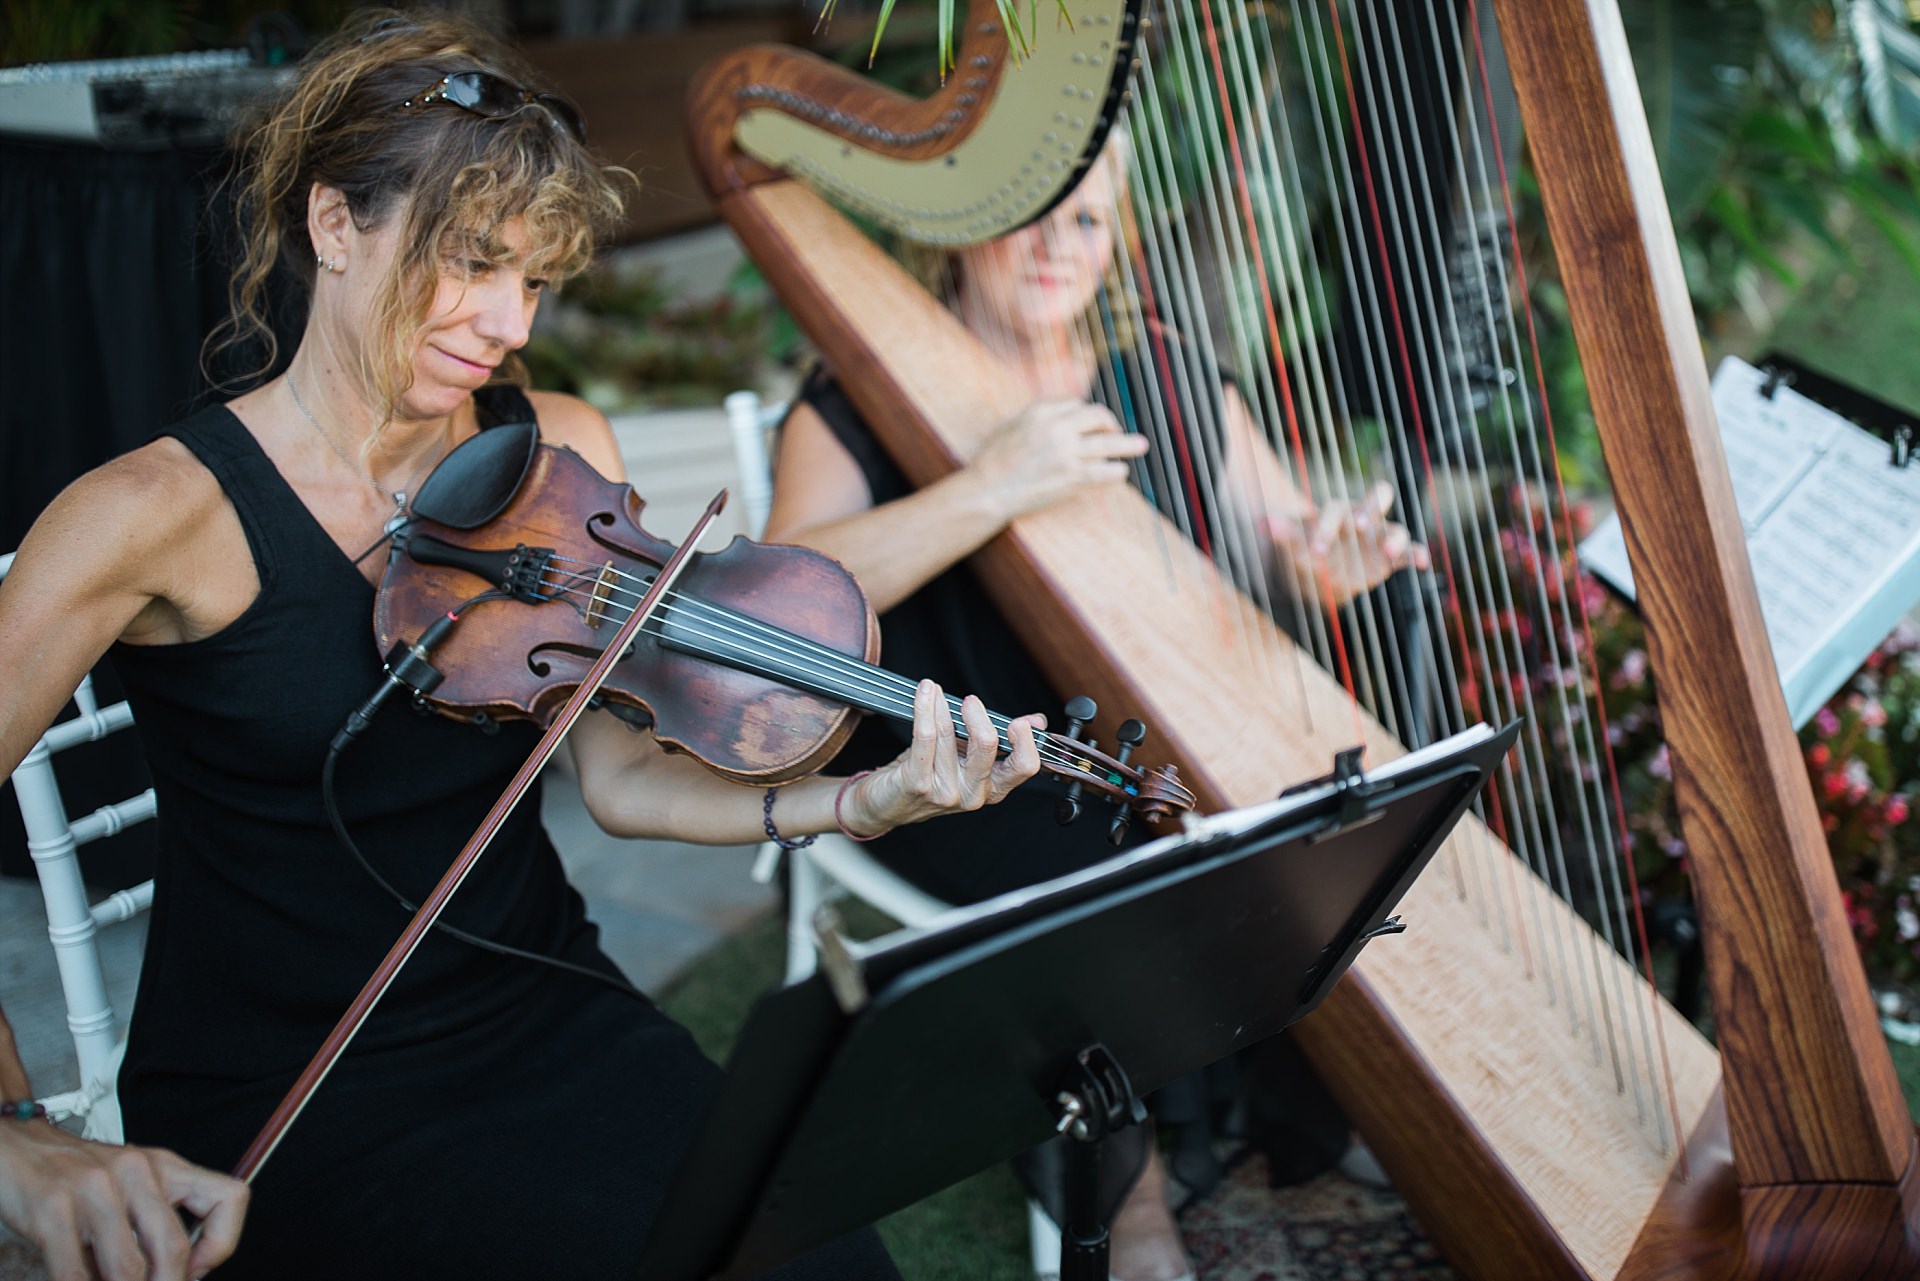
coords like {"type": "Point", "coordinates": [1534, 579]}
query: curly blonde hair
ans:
{"type": "Point", "coordinates": [453, 177]}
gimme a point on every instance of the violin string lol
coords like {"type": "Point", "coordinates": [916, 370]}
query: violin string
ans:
{"type": "Point", "coordinates": [876, 680]}
{"type": "Point", "coordinates": [893, 692]}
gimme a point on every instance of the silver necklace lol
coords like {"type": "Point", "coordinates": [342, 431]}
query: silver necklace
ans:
{"type": "Point", "coordinates": [399, 496]}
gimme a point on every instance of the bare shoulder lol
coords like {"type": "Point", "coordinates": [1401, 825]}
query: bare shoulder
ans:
{"type": "Point", "coordinates": [571, 421]}
{"type": "Point", "coordinates": [130, 510]}
{"type": "Point", "coordinates": [114, 555]}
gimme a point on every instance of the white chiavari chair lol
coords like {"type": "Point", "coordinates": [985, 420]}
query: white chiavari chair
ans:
{"type": "Point", "coordinates": [73, 920]}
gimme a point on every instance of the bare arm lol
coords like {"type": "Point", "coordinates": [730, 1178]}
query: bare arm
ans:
{"type": "Point", "coordinates": [821, 500]}
{"type": "Point", "coordinates": [633, 788]}
{"type": "Point", "coordinates": [13, 1073]}
{"type": "Point", "coordinates": [101, 563]}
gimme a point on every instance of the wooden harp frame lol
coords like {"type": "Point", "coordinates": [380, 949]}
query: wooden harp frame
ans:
{"type": "Point", "coordinates": [1800, 1161]}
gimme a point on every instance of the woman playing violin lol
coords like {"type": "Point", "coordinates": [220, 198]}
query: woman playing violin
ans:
{"type": "Point", "coordinates": [496, 1116]}
{"type": "Point", "coordinates": [1050, 300]}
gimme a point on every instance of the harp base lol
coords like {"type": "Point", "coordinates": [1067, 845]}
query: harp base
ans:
{"type": "Point", "coordinates": [1708, 1228]}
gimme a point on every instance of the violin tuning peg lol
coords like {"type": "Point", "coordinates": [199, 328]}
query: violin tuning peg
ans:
{"type": "Point", "coordinates": [1117, 829]}
{"type": "Point", "coordinates": [1079, 711]}
{"type": "Point", "coordinates": [1130, 735]}
{"type": "Point", "coordinates": [1067, 808]}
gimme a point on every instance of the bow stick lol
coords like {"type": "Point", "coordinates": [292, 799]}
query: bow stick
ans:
{"type": "Point", "coordinates": [336, 1043]}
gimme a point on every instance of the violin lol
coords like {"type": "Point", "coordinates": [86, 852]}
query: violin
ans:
{"type": "Point", "coordinates": [757, 663]}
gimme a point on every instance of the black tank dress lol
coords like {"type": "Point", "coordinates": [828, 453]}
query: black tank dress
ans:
{"type": "Point", "coordinates": [494, 1118]}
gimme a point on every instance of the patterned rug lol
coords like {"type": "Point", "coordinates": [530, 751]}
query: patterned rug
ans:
{"type": "Point", "coordinates": [1327, 1229]}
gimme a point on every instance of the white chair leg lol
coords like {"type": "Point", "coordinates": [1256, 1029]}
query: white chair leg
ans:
{"type": "Point", "coordinates": [70, 924]}
{"type": "Point", "coordinates": [805, 892]}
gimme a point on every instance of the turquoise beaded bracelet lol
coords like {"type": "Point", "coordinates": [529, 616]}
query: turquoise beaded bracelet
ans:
{"type": "Point", "coordinates": [25, 1109]}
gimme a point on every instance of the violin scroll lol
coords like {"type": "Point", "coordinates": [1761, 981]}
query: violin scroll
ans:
{"type": "Point", "coordinates": [1155, 794]}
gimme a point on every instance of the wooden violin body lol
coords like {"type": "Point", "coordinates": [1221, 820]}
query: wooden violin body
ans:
{"type": "Point", "coordinates": [516, 659]}
{"type": "Point", "coordinates": [756, 663]}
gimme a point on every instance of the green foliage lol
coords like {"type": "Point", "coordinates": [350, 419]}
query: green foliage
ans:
{"type": "Point", "coordinates": [621, 338]}
{"type": "Point", "coordinates": [65, 30]}
{"type": "Point", "coordinates": [1770, 120]}
{"type": "Point", "coordinates": [1020, 35]}
{"type": "Point", "coordinates": [61, 30]}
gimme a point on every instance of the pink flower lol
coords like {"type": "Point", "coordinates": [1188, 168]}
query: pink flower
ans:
{"type": "Point", "coordinates": [1873, 714]}
{"type": "Point", "coordinates": [1659, 765]}
{"type": "Point", "coordinates": [1897, 809]}
{"type": "Point", "coordinates": [1818, 755]}
{"type": "Point", "coordinates": [1826, 722]}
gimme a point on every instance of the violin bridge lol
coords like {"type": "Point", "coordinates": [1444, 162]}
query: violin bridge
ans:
{"type": "Point", "coordinates": [602, 595]}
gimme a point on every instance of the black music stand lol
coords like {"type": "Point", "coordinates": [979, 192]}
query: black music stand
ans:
{"type": "Point", "coordinates": [901, 1068]}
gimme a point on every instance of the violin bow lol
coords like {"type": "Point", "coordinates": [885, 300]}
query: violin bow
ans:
{"type": "Point", "coordinates": [343, 1032]}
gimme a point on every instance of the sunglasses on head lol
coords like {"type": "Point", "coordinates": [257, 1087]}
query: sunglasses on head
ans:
{"type": "Point", "coordinates": [496, 98]}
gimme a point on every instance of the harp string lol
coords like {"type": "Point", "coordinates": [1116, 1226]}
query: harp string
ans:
{"type": "Point", "coordinates": [1575, 727]}
{"type": "Point", "coordinates": [1436, 352]}
{"type": "Point", "coordinates": [1411, 208]}
{"type": "Point", "coordinates": [1613, 805]}
{"type": "Point", "coordinates": [1461, 697]}
{"type": "Point", "coordinates": [1328, 207]}
{"type": "Point", "coordinates": [1503, 664]}
{"type": "Point", "coordinates": [1162, 276]}
{"type": "Point", "coordinates": [1265, 393]}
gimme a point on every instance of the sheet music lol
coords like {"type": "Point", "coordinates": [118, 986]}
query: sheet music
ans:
{"type": "Point", "coordinates": [1833, 531]}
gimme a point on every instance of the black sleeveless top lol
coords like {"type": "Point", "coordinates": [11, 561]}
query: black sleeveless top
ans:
{"type": "Point", "coordinates": [494, 1117]}
{"type": "Point", "coordinates": [950, 630]}
{"type": "Point", "coordinates": [236, 726]}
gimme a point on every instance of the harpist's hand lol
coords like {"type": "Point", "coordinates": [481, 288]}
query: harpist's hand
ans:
{"type": "Point", "coordinates": [1344, 549]}
{"type": "Point", "coordinates": [101, 1210]}
{"type": "Point", "coordinates": [939, 774]}
{"type": "Point", "coordinates": [1049, 450]}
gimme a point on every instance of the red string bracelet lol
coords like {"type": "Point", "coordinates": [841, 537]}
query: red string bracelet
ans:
{"type": "Point", "coordinates": [841, 795]}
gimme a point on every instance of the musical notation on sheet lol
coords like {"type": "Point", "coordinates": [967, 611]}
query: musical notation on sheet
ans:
{"type": "Point", "coordinates": [1832, 526]}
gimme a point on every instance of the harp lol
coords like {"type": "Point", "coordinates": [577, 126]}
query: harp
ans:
{"type": "Point", "coordinates": [1788, 1151]}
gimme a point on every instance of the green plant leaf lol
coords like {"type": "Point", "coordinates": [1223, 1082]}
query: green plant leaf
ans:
{"type": "Point", "coordinates": [1696, 64]}
{"type": "Point", "coordinates": [880, 27]}
{"type": "Point", "coordinates": [1726, 209]}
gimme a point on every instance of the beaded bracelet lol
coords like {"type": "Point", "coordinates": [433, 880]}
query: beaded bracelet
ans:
{"type": "Point", "coordinates": [25, 1109]}
{"type": "Point", "coordinates": [839, 796]}
{"type": "Point", "coordinates": [773, 833]}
